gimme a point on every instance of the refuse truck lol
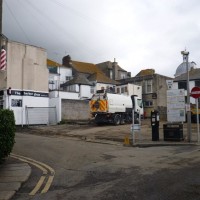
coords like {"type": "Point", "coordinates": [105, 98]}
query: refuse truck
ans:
{"type": "Point", "coordinates": [115, 108]}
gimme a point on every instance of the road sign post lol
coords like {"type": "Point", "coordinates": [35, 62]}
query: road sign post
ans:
{"type": "Point", "coordinates": [195, 93]}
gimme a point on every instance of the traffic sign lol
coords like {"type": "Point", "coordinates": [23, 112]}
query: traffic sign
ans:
{"type": "Point", "coordinates": [195, 92]}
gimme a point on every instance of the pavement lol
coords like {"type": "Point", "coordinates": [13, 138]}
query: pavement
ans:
{"type": "Point", "coordinates": [14, 173]}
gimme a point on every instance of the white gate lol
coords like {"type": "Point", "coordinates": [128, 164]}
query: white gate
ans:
{"type": "Point", "coordinates": [41, 115]}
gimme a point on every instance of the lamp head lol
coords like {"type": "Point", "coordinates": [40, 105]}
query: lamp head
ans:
{"type": "Point", "coordinates": [185, 53]}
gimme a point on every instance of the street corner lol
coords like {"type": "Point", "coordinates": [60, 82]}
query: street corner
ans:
{"type": "Point", "coordinates": [12, 174]}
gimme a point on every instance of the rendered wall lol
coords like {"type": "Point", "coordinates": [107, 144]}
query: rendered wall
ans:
{"type": "Point", "coordinates": [26, 67]}
{"type": "Point", "coordinates": [75, 110]}
{"type": "Point", "coordinates": [56, 102]}
{"type": "Point", "coordinates": [64, 95]}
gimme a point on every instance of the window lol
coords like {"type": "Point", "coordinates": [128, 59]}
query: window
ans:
{"type": "Point", "coordinates": [126, 90]}
{"type": "Point", "coordinates": [148, 103]}
{"type": "Point", "coordinates": [197, 83]}
{"type": "Point", "coordinates": [70, 88]}
{"type": "Point", "coordinates": [53, 70]}
{"type": "Point", "coordinates": [92, 89]}
{"type": "Point", "coordinates": [148, 86]}
{"type": "Point", "coordinates": [122, 75]}
{"type": "Point", "coordinates": [139, 102]}
{"type": "Point", "coordinates": [68, 78]}
{"type": "Point", "coordinates": [51, 82]}
{"type": "Point", "coordinates": [182, 85]}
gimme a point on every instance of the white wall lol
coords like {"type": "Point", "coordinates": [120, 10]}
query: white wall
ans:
{"type": "Point", "coordinates": [131, 89]}
{"type": "Point", "coordinates": [29, 101]}
{"type": "Point", "coordinates": [64, 71]}
{"type": "Point", "coordinates": [99, 86]}
{"type": "Point", "coordinates": [64, 95]}
{"type": "Point", "coordinates": [56, 102]}
{"type": "Point", "coordinates": [85, 91]}
{"type": "Point", "coordinates": [134, 90]}
{"type": "Point", "coordinates": [60, 77]}
{"type": "Point", "coordinates": [53, 78]}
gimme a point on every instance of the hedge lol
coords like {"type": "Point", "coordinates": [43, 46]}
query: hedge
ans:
{"type": "Point", "coordinates": [7, 132]}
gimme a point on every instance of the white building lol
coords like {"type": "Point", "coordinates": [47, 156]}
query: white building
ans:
{"type": "Point", "coordinates": [129, 89]}
{"type": "Point", "coordinates": [180, 82]}
{"type": "Point", "coordinates": [27, 76]}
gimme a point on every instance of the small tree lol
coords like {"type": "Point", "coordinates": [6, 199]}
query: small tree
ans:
{"type": "Point", "coordinates": [7, 132]}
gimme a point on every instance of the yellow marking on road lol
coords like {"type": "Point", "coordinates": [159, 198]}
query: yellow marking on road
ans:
{"type": "Point", "coordinates": [42, 167]}
{"type": "Point", "coordinates": [48, 184]}
{"type": "Point", "coordinates": [32, 163]}
{"type": "Point", "coordinates": [126, 140]}
{"type": "Point", "coordinates": [38, 186]}
{"type": "Point", "coordinates": [43, 164]}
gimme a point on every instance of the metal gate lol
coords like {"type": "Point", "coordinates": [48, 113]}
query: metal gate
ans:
{"type": "Point", "coordinates": [41, 115]}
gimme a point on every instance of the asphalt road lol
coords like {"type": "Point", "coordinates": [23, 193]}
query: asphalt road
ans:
{"type": "Point", "coordinates": [86, 171]}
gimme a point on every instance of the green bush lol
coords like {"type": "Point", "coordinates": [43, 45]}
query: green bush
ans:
{"type": "Point", "coordinates": [7, 132]}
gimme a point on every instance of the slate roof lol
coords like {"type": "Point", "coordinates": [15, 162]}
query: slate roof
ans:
{"type": "Point", "coordinates": [95, 74]}
{"type": "Point", "coordinates": [91, 70]}
{"type": "Point", "coordinates": [101, 78]}
{"type": "Point", "coordinates": [109, 65]}
{"type": "Point", "coordinates": [194, 74]}
{"type": "Point", "coordinates": [78, 79]}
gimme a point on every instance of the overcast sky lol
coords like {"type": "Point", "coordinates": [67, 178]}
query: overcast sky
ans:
{"type": "Point", "coordinates": [140, 34]}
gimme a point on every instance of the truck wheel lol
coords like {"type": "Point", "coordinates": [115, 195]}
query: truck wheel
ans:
{"type": "Point", "coordinates": [194, 119]}
{"type": "Point", "coordinates": [122, 120]}
{"type": "Point", "coordinates": [117, 119]}
{"type": "Point", "coordinates": [128, 119]}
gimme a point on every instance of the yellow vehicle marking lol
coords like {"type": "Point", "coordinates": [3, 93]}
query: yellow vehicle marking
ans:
{"type": "Point", "coordinates": [102, 106]}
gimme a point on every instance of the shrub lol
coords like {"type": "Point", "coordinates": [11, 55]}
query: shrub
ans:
{"type": "Point", "coordinates": [7, 132]}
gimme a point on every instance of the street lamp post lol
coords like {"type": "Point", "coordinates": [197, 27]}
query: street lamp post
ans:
{"type": "Point", "coordinates": [185, 56]}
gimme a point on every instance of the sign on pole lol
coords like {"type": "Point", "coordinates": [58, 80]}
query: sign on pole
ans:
{"type": "Point", "coordinates": [195, 92]}
{"type": "Point", "coordinates": [169, 84]}
{"type": "Point", "coordinates": [176, 105]}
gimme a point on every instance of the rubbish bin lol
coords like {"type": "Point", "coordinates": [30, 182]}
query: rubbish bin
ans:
{"type": "Point", "coordinates": [155, 125]}
{"type": "Point", "coordinates": [173, 132]}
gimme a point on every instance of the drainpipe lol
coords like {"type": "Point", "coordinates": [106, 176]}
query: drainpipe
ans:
{"type": "Point", "coordinates": [23, 87]}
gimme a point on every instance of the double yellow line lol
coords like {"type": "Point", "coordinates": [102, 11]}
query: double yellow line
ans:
{"type": "Point", "coordinates": [47, 174]}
